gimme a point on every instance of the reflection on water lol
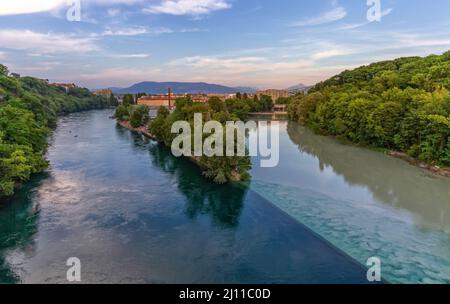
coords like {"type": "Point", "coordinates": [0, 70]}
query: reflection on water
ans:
{"type": "Point", "coordinates": [391, 181]}
{"type": "Point", "coordinates": [363, 202]}
{"type": "Point", "coordinates": [224, 203]}
{"type": "Point", "coordinates": [17, 231]}
{"type": "Point", "coordinates": [133, 213]}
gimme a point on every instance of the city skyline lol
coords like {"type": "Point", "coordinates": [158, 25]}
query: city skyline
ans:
{"type": "Point", "coordinates": [254, 43]}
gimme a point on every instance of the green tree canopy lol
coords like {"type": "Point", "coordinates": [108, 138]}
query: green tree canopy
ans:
{"type": "Point", "coordinates": [402, 104]}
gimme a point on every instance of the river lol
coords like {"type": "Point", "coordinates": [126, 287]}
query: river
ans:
{"type": "Point", "coordinates": [132, 213]}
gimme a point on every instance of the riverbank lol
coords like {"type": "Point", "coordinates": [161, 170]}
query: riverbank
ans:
{"type": "Point", "coordinates": [442, 171]}
{"type": "Point", "coordinates": [433, 169]}
{"type": "Point", "coordinates": [141, 130]}
{"type": "Point", "coordinates": [437, 170]}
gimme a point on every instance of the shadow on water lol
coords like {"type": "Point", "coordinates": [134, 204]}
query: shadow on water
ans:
{"type": "Point", "coordinates": [224, 203]}
{"type": "Point", "coordinates": [19, 217]}
{"type": "Point", "coordinates": [391, 181]}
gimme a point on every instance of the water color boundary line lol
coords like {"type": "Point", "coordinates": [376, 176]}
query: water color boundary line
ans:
{"type": "Point", "coordinates": [328, 243]}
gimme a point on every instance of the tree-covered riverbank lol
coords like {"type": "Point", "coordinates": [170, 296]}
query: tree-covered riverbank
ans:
{"type": "Point", "coordinates": [401, 105]}
{"type": "Point", "coordinates": [29, 108]}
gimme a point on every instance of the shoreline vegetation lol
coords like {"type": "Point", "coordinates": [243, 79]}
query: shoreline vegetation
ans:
{"type": "Point", "coordinates": [400, 106]}
{"type": "Point", "coordinates": [29, 108]}
{"type": "Point", "coordinates": [218, 169]}
{"type": "Point", "coordinates": [143, 130]}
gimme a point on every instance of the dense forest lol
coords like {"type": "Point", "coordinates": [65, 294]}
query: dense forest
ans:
{"type": "Point", "coordinates": [401, 105]}
{"type": "Point", "coordinates": [218, 169]}
{"type": "Point", "coordinates": [29, 108]}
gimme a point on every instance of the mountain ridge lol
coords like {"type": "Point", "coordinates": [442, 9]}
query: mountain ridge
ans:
{"type": "Point", "coordinates": [153, 87]}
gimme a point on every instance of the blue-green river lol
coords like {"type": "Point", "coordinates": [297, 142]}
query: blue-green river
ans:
{"type": "Point", "coordinates": [132, 213]}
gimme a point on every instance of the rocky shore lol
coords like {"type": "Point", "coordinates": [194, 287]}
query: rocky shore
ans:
{"type": "Point", "coordinates": [432, 168]}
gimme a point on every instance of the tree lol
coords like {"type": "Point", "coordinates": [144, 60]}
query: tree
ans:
{"type": "Point", "coordinates": [113, 100]}
{"type": "Point", "coordinates": [216, 104]}
{"type": "Point", "coordinates": [139, 116]}
{"type": "Point", "coordinates": [122, 112]}
{"type": "Point", "coordinates": [266, 103]}
{"type": "Point", "coordinates": [283, 100]}
{"type": "Point", "coordinates": [128, 99]}
{"type": "Point", "coordinates": [238, 108]}
{"type": "Point", "coordinates": [157, 126]}
{"type": "Point", "coordinates": [4, 70]}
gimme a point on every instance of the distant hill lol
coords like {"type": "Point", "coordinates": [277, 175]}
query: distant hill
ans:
{"type": "Point", "coordinates": [299, 88]}
{"type": "Point", "coordinates": [150, 87]}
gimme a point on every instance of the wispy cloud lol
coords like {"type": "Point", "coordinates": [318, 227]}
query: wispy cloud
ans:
{"type": "Point", "coordinates": [353, 26]}
{"type": "Point", "coordinates": [115, 76]}
{"type": "Point", "coordinates": [335, 14]}
{"type": "Point", "coordinates": [242, 64]}
{"type": "Point", "coordinates": [130, 56]}
{"type": "Point", "coordinates": [46, 43]}
{"type": "Point", "coordinates": [331, 53]}
{"type": "Point", "coordinates": [133, 31]}
{"type": "Point", "coordinates": [188, 7]}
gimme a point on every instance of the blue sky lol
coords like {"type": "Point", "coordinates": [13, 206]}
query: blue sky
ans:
{"type": "Point", "coordinates": [260, 43]}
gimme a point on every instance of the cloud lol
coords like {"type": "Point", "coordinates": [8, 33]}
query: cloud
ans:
{"type": "Point", "coordinates": [335, 14]}
{"type": "Point", "coordinates": [109, 2]}
{"type": "Point", "coordinates": [2, 56]}
{"type": "Point", "coordinates": [130, 56]}
{"type": "Point", "coordinates": [45, 43]}
{"type": "Point", "coordinates": [150, 31]}
{"type": "Point", "coordinates": [252, 71]}
{"type": "Point", "coordinates": [236, 64]}
{"type": "Point", "coordinates": [353, 26]}
{"type": "Point", "coordinates": [114, 77]}
{"type": "Point", "coordinates": [188, 7]}
{"type": "Point", "coordinates": [17, 7]}
{"type": "Point", "coordinates": [126, 31]}
{"type": "Point", "coordinates": [331, 53]}
{"type": "Point", "coordinates": [386, 12]}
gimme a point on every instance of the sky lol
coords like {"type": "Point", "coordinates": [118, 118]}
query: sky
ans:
{"type": "Point", "coordinates": [257, 43]}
